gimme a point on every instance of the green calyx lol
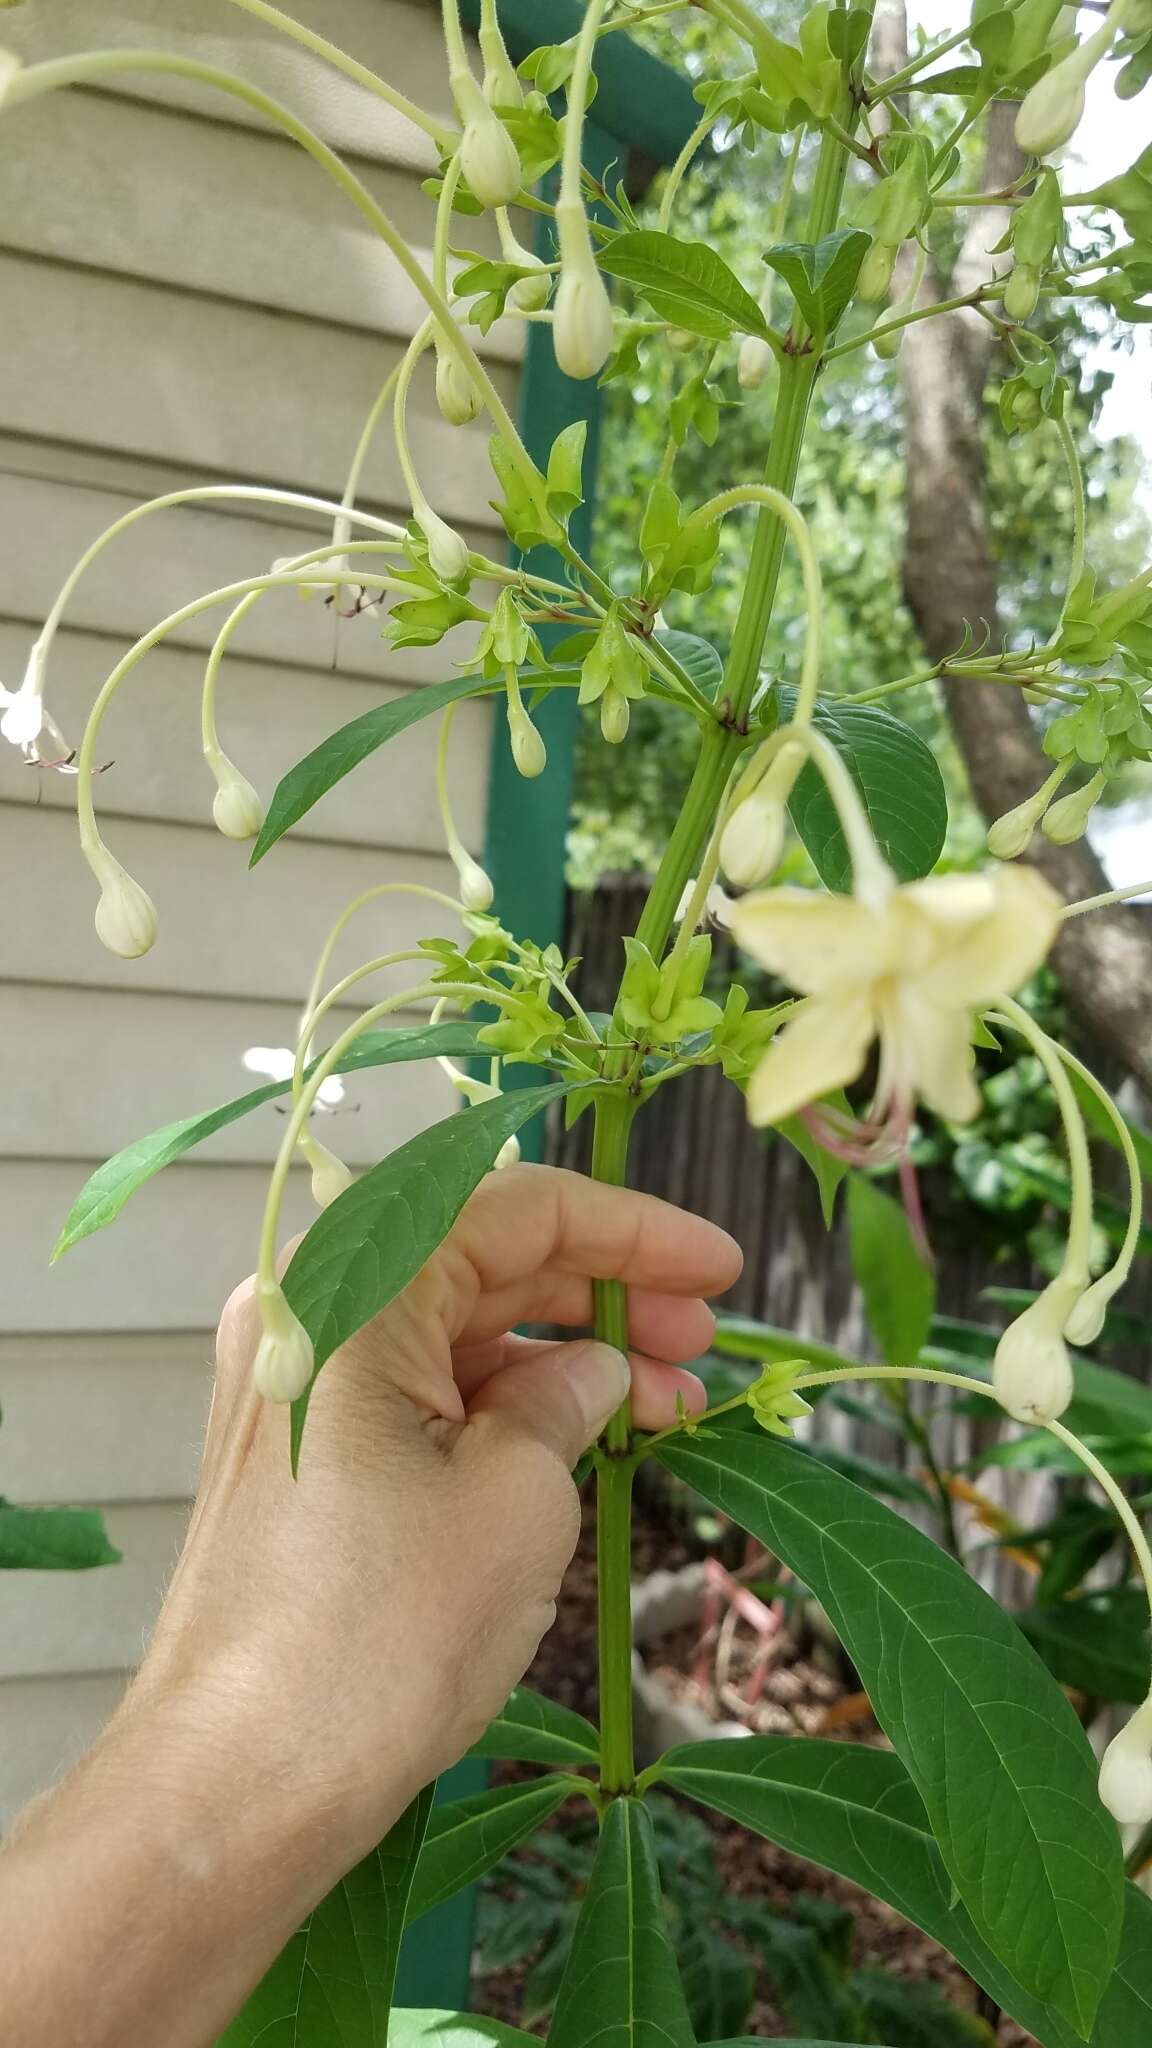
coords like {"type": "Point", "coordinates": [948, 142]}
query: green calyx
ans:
{"type": "Point", "coordinates": [664, 1005]}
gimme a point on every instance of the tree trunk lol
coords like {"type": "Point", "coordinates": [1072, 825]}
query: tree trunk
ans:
{"type": "Point", "coordinates": [1105, 959]}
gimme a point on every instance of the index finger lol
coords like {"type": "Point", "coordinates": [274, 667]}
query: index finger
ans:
{"type": "Point", "coordinates": [526, 1217]}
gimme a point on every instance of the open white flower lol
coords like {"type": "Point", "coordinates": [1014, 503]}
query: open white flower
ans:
{"type": "Point", "coordinates": [23, 713]}
{"type": "Point", "coordinates": [908, 970]}
{"type": "Point", "coordinates": [277, 1063]}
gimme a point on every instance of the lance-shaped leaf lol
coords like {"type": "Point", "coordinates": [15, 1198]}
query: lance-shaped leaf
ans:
{"type": "Point", "coordinates": [622, 1987]}
{"type": "Point", "coordinates": [898, 1288]}
{"type": "Point", "coordinates": [855, 1811]}
{"type": "Point", "coordinates": [333, 1983]}
{"type": "Point", "coordinates": [533, 1730]}
{"type": "Point", "coordinates": [467, 1836]}
{"type": "Point", "coordinates": [53, 1539]}
{"type": "Point", "coordinates": [365, 1249]}
{"type": "Point", "coordinates": [686, 283]}
{"type": "Point", "coordinates": [104, 1194]}
{"type": "Point", "coordinates": [994, 1749]}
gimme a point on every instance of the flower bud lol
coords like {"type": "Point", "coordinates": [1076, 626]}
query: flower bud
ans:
{"type": "Point", "coordinates": [528, 749]}
{"type": "Point", "coordinates": [330, 1176]}
{"type": "Point", "coordinates": [1011, 834]}
{"type": "Point", "coordinates": [876, 273]}
{"type": "Point", "coordinates": [615, 713]}
{"type": "Point", "coordinates": [1052, 110]}
{"type": "Point", "coordinates": [236, 807]}
{"type": "Point", "coordinates": [476, 891]}
{"type": "Point", "coordinates": [531, 294]}
{"type": "Point", "coordinates": [501, 87]}
{"type": "Point", "coordinates": [1067, 820]}
{"type": "Point", "coordinates": [582, 332]}
{"type": "Point", "coordinates": [508, 1155]}
{"type": "Point", "coordinates": [681, 339]}
{"type": "Point", "coordinates": [1126, 1771]}
{"type": "Point", "coordinates": [886, 346]}
{"type": "Point", "coordinates": [284, 1361]}
{"type": "Point", "coordinates": [752, 841]}
{"type": "Point", "coordinates": [1087, 1318]}
{"type": "Point", "coordinates": [126, 921]}
{"type": "Point", "coordinates": [753, 362]}
{"type": "Point", "coordinates": [1031, 1372]}
{"type": "Point", "coordinates": [488, 155]}
{"type": "Point", "coordinates": [456, 395]}
{"type": "Point", "coordinates": [1022, 291]}
{"type": "Point", "coordinates": [447, 551]}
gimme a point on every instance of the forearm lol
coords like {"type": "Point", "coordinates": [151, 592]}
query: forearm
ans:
{"type": "Point", "coordinates": [143, 1900]}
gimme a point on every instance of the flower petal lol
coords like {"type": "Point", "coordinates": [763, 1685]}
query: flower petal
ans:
{"type": "Point", "coordinates": [824, 1046]}
{"type": "Point", "coordinates": [928, 1052]}
{"type": "Point", "coordinates": [815, 942]}
{"type": "Point", "coordinates": [992, 953]}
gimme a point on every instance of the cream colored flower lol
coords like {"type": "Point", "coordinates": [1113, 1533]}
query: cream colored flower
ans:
{"type": "Point", "coordinates": [909, 971]}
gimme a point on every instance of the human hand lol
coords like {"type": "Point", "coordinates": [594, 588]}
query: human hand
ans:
{"type": "Point", "coordinates": [356, 1629]}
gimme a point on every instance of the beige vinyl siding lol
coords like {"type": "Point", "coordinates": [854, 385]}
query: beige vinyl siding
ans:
{"type": "Point", "coordinates": [186, 301]}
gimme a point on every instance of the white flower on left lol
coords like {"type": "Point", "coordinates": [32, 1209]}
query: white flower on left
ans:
{"type": "Point", "coordinates": [908, 970]}
{"type": "Point", "coordinates": [277, 1063]}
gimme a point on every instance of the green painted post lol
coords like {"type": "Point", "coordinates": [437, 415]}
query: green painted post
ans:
{"type": "Point", "coordinates": [640, 105]}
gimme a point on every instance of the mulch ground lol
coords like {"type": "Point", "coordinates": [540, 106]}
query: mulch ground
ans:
{"type": "Point", "coordinates": [803, 1692]}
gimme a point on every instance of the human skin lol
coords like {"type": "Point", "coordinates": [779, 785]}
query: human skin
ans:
{"type": "Point", "coordinates": [328, 1645]}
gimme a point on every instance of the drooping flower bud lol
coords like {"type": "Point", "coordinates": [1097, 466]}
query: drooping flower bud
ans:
{"type": "Point", "coordinates": [752, 841]}
{"type": "Point", "coordinates": [456, 395]}
{"type": "Point", "coordinates": [528, 749]}
{"type": "Point", "coordinates": [1068, 819]}
{"type": "Point", "coordinates": [448, 556]}
{"type": "Point", "coordinates": [1087, 1318]}
{"type": "Point", "coordinates": [236, 807]}
{"type": "Point", "coordinates": [1126, 1771]}
{"type": "Point", "coordinates": [1032, 1372]}
{"type": "Point", "coordinates": [1052, 110]}
{"type": "Point", "coordinates": [753, 362]}
{"type": "Point", "coordinates": [502, 88]}
{"type": "Point", "coordinates": [1022, 291]}
{"type": "Point", "coordinates": [476, 891]}
{"type": "Point", "coordinates": [615, 715]}
{"type": "Point", "coordinates": [1011, 834]}
{"type": "Point", "coordinates": [330, 1176]}
{"type": "Point", "coordinates": [529, 293]}
{"type": "Point", "coordinates": [126, 920]}
{"type": "Point", "coordinates": [488, 156]}
{"type": "Point", "coordinates": [582, 333]}
{"type": "Point", "coordinates": [876, 273]}
{"type": "Point", "coordinates": [508, 1155]}
{"type": "Point", "coordinates": [284, 1361]}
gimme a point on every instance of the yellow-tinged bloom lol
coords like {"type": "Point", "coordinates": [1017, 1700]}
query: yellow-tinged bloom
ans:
{"type": "Point", "coordinates": [908, 970]}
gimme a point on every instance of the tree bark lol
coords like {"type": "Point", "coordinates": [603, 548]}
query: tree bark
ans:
{"type": "Point", "coordinates": [1104, 960]}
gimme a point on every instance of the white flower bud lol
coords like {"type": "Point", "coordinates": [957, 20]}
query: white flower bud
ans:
{"type": "Point", "coordinates": [330, 1176]}
{"type": "Point", "coordinates": [126, 921]}
{"type": "Point", "coordinates": [476, 891]}
{"type": "Point", "coordinates": [1087, 1318]}
{"type": "Point", "coordinates": [1126, 1771]}
{"type": "Point", "coordinates": [753, 362]}
{"type": "Point", "coordinates": [447, 550]}
{"type": "Point", "coordinates": [582, 332]}
{"type": "Point", "coordinates": [456, 394]}
{"type": "Point", "coordinates": [615, 714]}
{"type": "Point", "coordinates": [488, 155]}
{"type": "Point", "coordinates": [10, 68]}
{"type": "Point", "coordinates": [1052, 110]}
{"type": "Point", "coordinates": [236, 807]}
{"type": "Point", "coordinates": [531, 294]}
{"type": "Point", "coordinates": [528, 749]}
{"type": "Point", "coordinates": [502, 88]}
{"type": "Point", "coordinates": [508, 1155]}
{"type": "Point", "coordinates": [752, 841]}
{"type": "Point", "coordinates": [284, 1361]}
{"type": "Point", "coordinates": [1032, 1372]}
{"type": "Point", "coordinates": [1068, 818]}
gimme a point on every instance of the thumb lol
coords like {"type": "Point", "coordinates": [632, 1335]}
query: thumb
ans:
{"type": "Point", "coordinates": [563, 1397]}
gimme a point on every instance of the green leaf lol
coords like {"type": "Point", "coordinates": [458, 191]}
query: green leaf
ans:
{"type": "Point", "coordinates": [1099, 1121]}
{"type": "Point", "coordinates": [686, 283]}
{"type": "Point", "coordinates": [697, 656]}
{"type": "Point", "coordinates": [885, 1480]}
{"type": "Point", "coordinates": [335, 757]}
{"type": "Point", "coordinates": [53, 1539]}
{"type": "Point", "coordinates": [900, 784]}
{"type": "Point", "coordinates": [821, 276]}
{"type": "Point", "coordinates": [855, 1810]}
{"type": "Point", "coordinates": [741, 1337]}
{"type": "Point", "coordinates": [376, 1236]}
{"type": "Point", "coordinates": [332, 1986]}
{"type": "Point", "coordinates": [533, 1730]}
{"type": "Point", "coordinates": [565, 489]}
{"type": "Point", "coordinates": [899, 1291]}
{"type": "Point", "coordinates": [719, 1980]}
{"type": "Point", "coordinates": [622, 1988]}
{"type": "Point", "coordinates": [103, 1195]}
{"type": "Point", "coordinates": [467, 1836]}
{"type": "Point", "coordinates": [994, 1749]}
{"type": "Point", "coordinates": [916, 2013]}
{"type": "Point", "coordinates": [828, 1169]}
{"type": "Point", "coordinates": [1097, 1643]}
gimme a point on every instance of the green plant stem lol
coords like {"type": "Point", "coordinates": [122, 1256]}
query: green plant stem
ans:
{"type": "Point", "coordinates": [614, 1469]}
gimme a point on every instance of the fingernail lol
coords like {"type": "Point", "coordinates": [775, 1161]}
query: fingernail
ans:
{"type": "Point", "coordinates": [600, 1378]}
